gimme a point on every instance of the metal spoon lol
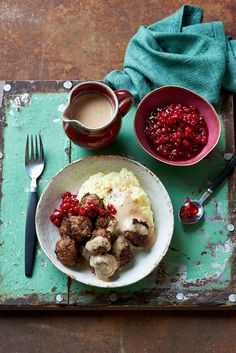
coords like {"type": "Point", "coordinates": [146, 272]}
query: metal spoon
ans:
{"type": "Point", "coordinates": [199, 203]}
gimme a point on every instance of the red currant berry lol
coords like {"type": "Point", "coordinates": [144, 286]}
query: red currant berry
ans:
{"type": "Point", "coordinates": [113, 211]}
{"type": "Point", "coordinates": [57, 214]}
{"type": "Point", "coordinates": [57, 222]}
{"type": "Point", "coordinates": [87, 209]}
{"type": "Point", "coordinates": [66, 194]}
{"type": "Point", "coordinates": [52, 218]}
{"type": "Point", "coordinates": [102, 212]}
{"type": "Point", "coordinates": [66, 206]}
{"type": "Point", "coordinates": [90, 203]}
{"type": "Point", "coordinates": [76, 210]}
{"type": "Point", "coordinates": [82, 211]}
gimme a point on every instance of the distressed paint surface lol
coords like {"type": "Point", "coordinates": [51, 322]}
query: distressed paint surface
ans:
{"type": "Point", "coordinates": [199, 261]}
{"type": "Point", "coordinates": [28, 114]}
{"type": "Point", "coordinates": [199, 255]}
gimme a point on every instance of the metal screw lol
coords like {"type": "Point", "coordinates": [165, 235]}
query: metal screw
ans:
{"type": "Point", "coordinates": [1, 155]}
{"type": "Point", "coordinates": [113, 297]}
{"type": "Point", "coordinates": [59, 298]}
{"type": "Point", "coordinates": [67, 84]}
{"type": "Point", "coordinates": [7, 87]}
{"type": "Point", "coordinates": [232, 298]}
{"type": "Point", "coordinates": [230, 227]}
{"type": "Point", "coordinates": [228, 156]}
{"type": "Point", "coordinates": [179, 296]}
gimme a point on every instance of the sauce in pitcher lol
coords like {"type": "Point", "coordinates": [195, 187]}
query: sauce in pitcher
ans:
{"type": "Point", "coordinates": [93, 110]}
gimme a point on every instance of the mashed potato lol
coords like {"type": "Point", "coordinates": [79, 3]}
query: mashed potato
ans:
{"type": "Point", "coordinates": [123, 190]}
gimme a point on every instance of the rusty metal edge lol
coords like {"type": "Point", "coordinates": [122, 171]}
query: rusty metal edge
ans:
{"type": "Point", "coordinates": [229, 119]}
{"type": "Point", "coordinates": [1, 137]}
{"type": "Point", "coordinates": [37, 86]}
{"type": "Point", "coordinates": [32, 300]}
{"type": "Point", "coordinates": [150, 300]}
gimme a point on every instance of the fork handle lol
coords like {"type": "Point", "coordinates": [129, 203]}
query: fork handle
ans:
{"type": "Point", "coordinates": [30, 234]}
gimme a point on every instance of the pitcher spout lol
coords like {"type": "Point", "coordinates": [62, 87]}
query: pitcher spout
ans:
{"type": "Point", "coordinates": [68, 117]}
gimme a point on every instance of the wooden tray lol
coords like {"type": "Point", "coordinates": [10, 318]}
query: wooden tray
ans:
{"type": "Point", "coordinates": [199, 268]}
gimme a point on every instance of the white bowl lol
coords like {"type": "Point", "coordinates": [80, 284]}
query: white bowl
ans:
{"type": "Point", "coordinates": [70, 178]}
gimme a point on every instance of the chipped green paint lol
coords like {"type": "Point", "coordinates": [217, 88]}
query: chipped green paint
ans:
{"type": "Point", "coordinates": [199, 258]}
{"type": "Point", "coordinates": [38, 115]}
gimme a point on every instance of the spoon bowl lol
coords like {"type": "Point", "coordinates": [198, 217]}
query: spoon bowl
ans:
{"type": "Point", "coordinates": [195, 217]}
{"type": "Point", "coordinates": [193, 210]}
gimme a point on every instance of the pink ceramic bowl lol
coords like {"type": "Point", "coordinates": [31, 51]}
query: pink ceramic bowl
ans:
{"type": "Point", "coordinates": [175, 94]}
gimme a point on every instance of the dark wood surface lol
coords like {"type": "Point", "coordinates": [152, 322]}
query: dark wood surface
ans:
{"type": "Point", "coordinates": [79, 40]}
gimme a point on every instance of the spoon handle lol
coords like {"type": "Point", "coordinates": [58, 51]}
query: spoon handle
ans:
{"type": "Point", "coordinates": [223, 174]}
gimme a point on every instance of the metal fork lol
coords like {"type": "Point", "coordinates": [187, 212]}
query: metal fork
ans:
{"type": "Point", "coordinates": [34, 163]}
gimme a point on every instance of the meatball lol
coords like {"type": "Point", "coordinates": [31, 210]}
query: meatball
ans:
{"type": "Point", "coordinates": [98, 245]}
{"type": "Point", "coordinates": [108, 222]}
{"type": "Point", "coordinates": [101, 232]}
{"type": "Point", "coordinates": [93, 197]}
{"type": "Point", "coordinates": [85, 253]}
{"type": "Point", "coordinates": [121, 250]}
{"type": "Point", "coordinates": [78, 228]}
{"type": "Point", "coordinates": [137, 239]}
{"type": "Point", "coordinates": [67, 251]}
{"type": "Point", "coordinates": [104, 265]}
{"type": "Point", "coordinates": [102, 222]}
{"type": "Point", "coordinates": [63, 230]}
{"type": "Point", "coordinates": [136, 231]}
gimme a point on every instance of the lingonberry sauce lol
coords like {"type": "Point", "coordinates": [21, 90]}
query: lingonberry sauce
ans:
{"type": "Point", "coordinates": [176, 132]}
{"type": "Point", "coordinates": [188, 210]}
{"type": "Point", "coordinates": [71, 205]}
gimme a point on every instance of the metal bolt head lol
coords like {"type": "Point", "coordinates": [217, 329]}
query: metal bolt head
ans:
{"type": "Point", "coordinates": [232, 298]}
{"type": "Point", "coordinates": [59, 298]}
{"type": "Point", "coordinates": [7, 87]}
{"type": "Point", "coordinates": [68, 84]}
{"type": "Point", "coordinates": [179, 296]}
{"type": "Point", "coordinates": [228, 156]}
{"type": "Point", "coordinates": [230, 227]}
{"type": "Point", "coordinates": [113, 297]}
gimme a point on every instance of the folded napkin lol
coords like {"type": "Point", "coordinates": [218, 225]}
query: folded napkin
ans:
{"type": "Point", "coordinates": [179, 50]}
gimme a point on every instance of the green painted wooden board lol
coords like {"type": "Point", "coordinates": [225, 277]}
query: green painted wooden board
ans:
{"type": "Point", "coordinates": [199, 267]}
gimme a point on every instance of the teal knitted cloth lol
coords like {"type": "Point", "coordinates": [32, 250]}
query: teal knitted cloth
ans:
{"type": "Point", "coordinates": [179, 50]}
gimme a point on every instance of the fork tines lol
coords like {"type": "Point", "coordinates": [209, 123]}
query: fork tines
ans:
{"type": "Point", "coordinates": [33, 148]}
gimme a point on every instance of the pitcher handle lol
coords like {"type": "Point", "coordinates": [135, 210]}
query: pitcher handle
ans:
{"type": "Point", "coordinates": [125, 100]}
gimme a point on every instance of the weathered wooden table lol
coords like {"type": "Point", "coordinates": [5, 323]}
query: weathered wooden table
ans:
{"type": "Point", "coordinates": [83, 40]}
{"type": "Point", "coordinates": [199, 268]}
